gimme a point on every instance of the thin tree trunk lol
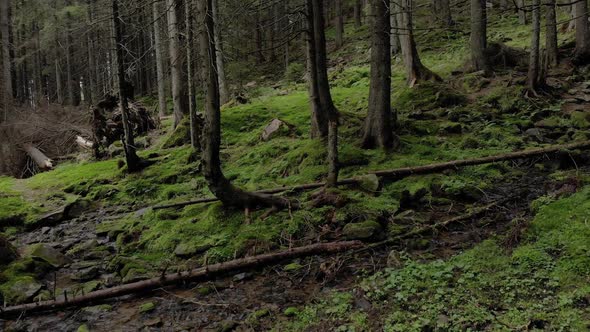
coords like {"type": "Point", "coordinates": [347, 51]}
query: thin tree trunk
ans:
{"type": "Point", "coordinates": [378, 130]}
{"type": "Point", "coordinates": [133, 161]}
{"type": "Point", "coordinates": [223, 87]}
{"type": "Point", "coordinates": [522, 17]}
{"type": "Point", "coordinates": [415, 70]}
{"type": "Point", "coordinates": [219, 185]}
{"type": "Point", "coordinates": [582, 54]}
{"type": "Point", "coordinates": [325, 97]}
{"type": "Point", "coordinates": [6, 62]}
{"type": "Point", "coordinates": [194, 125]}
{"type": "Point", "coordinates": [358, 12]}
{"type": "Point", "coordinates": [478, 38]}
{"type": "Point", "coordinates": [69, 63]}
{"type": "Point", "coordinates": [177, 58]}
{"type": "Point", "coordinates": [551, 34]}
{"type": "Point", "coordinates": [339, 23]}
{"type": "Point", "coordinates": [445, 13]}
{"type": "Point", "coordinates": [395, 39]}
{"type": "Point", "coordinates": [159, 45]}
{"type": "Point", "coordinates": [319, 120]}
{"type": "Point", "coordinates": [533, 74]}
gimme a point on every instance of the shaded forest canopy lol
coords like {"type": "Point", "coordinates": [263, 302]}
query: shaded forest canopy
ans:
{"type": "Point", "coordinates": [294, 165]}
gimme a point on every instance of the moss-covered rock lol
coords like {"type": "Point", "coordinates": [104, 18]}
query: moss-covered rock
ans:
{"type": "Point", "coordinates": [20, 289]}
{"type": "Point", "coordinates": [180, 136]}
{"type": "Point", "coordinates": [367, 230]}
{"type": "Point", "coordinates": [7, 251]}
{"type": "Point", "coordinates": [147, 307]}
{"type": "Point", "coordinates": [49, 255]}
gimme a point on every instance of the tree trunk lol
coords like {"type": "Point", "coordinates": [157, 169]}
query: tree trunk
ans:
{"type": "Point", "coordinates": [395, 39]}
{"type": "Point", "coordinates": [158, 45]}
{"type": "Point", "coordinates": [522, 17]}
{"type": "Point", "coordinates": [177, 58]}
{"type": "Point", "coordinates": [339, 23]}
{"type": "Point", "coordinates": [319, 120]}
{"type": "Point", "coordinates": [358, 12]}
{"type": "Point", "coordinates": [219, 185]}
{"type": "Point", "coordinates": [534, 63]}
{"type": "Point", "coordinates": [6, 62]}
{"type": "Point", "coordinates": [478, 38]}
{"type": "Point", "coordinates": [445, 13]}
{"type": "Point", "coordinates": [194, 124]}
{"type": "Point", "coordinates": [44, 162]}
{"type": "Point", "coordinates": [223, 87]}
{"type": "Point", "coordinates": [324, 94]}
{"type": "Point", "coordinates": [551, 34]}
{"type": "Point", "coordinates": [415, 70]}
{"type": "Point", "coordinates": [582, 54]}
{"type": "Point", "coordinates": [92, 67]}
{"type": "Point", "coordinates": [378, 130]}
{"type": "Point", "coordinates": [69, 63]}
{"type": "Point", "coordinates": [133, 161]}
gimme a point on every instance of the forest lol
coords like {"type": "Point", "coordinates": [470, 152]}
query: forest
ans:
{"type": "Point", "coordinates": [294, 165]}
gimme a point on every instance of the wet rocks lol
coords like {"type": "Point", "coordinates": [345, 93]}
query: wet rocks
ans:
{"type": "Point", "coordinates": [49, 255]}
{"type": "Point", "coordinates": [186, 250]}
{"type": "Point", "coordinates": [276, 128]}
{"type": "Point", "coordinates": [366, 231]}
{"type": "Point", "coordinates": [20, 290]}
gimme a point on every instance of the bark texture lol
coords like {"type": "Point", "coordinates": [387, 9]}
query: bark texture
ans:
{"type": "Point", "coordinates": [219, 185]}
{"type": "Point", "coordinates": [319, 119]}
{"type": "Point", "coordinates": [159, 21]}
{"type": "Point", "coordinates": [533, 80]}
{"type": "Point", "coordinates": [415, 70]}
{"type": "Point", "coordinates": [551, 34]}
{"type": "Point", "coordinates": [582, 54]}
{"type": "Point", "coordinates": [223, 86]}
{"type": "Point", "coordinates": [379, 124]}
{"type": "Point", "coordinates": [177, 58]}
{"type": "Point", "coordinates": [478, 38]}
{"type": "Point", "coordinates": [6, 63]}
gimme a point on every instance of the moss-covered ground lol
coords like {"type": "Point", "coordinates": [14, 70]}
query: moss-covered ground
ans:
{"type": "Point", "coordinates": [542, 283]}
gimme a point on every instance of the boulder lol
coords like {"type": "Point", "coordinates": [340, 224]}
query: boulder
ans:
{"type": "Point", "coordinates": [20, 290]}
{"type": "Point", "coordinates": [49, 255]}
{"type": "Point", "coordinates": [186, 250]}
{"type": "Point", "coordinates": [366, 230]}
{"type": "Point", "coordinates": [276, 128]}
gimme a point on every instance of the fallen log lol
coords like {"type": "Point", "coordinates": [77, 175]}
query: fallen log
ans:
{"type": "Point", "coordinates": [84, 143]}
{"type": "Point", "coordinates": [399, 173]}
{"type": "Point", "coordinates": [201, 274]}
{"type": "Point", "coordinates": [44, 162]}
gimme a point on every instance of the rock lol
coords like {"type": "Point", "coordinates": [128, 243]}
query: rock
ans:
{"type": "Point", "coordinates": [147, 307]}
{"type": "Point", "coordinates": [186, 250]}
{"type": "Point", "coordinates": [91, 286]}
{"type": "Point", "coordinates": [83, 247]}
{"type": "Point", "coordinates": [85, 274]}
{"type": "Point", "coordinates": [154, 322]}
{"type": "Point", "coordinates": [291, 312]}
{"type": "Point", "coordinates": [242, 276]}
{"type": "Point", "coordinates": [98, 309]}
{"type": "Point", "coordinates": [227, 326]}
{"type": "Point", "coordinates": [134, 275]}
{"type": "Point", "coordinates": [252, 84]}
{"type": "Point", "coordinates": [367, 230]}
{"type": "Point", "coordinates": [83, 328]}
{"type": "Point", "coordinates": [76, 208]}
{"type": "Point", "coordinates": [535, 133]}
{"type": "Point", "coordinates": [50, 219]}
{"type": "Point", "coordinates": [369, 182]}
{"type": "Point", "coordinates": [7, 251]}
{"type": "Point", "coordinates": [362, 303]}
{"type": "Point", "coordinates": [47, 254]}
{"type": "Point", "coordinates": [20, 290]}
{"type": "Point", "coordinates": [276, 128]}
{"type": "Point", "coordinates": [45, 230]}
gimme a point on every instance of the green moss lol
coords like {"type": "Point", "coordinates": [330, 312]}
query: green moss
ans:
{"type": "Point", "coordinates": [147, 307]}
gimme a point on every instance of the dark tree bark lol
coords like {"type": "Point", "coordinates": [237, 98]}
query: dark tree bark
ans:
{"type": "Point", "coordinates": [379, 124]}
{"type": "Point", "coordinates": [177, 57]}
{"type": "Point", "coordinates": [415, 70]}
{"type": "Point", "coordinates": [358, 12]}
{"type": "Point", "coordinates": [522, 14]}
{"type": "Point", "coordinates": [194, 124]}
{"type": "Point", "coordinates": [223, 86]}
{"type": "Point", "coordinates": [339, 23]}
{"type": "Point", "coordinates": [478, 38]}
{"type": "Point", "coordinates": [219, 185]}
{"type": "Point", "coordinates": [325, 97]}
{"type": "Point", "coordinates": [319, 119]}
{"type": "Point", "coordinates": [70, 81]}
{"type": "Point", "coordinates": [395, 40]}
{"type": "Point", "coordinates": [133, 161]}
{"type": "Point", "coordinates": [159, 42]}
{"type": "Point", "coordinates": [582, 54]}
{"type": "Point", "coordinates": [551, 34]}
{"type": "Point", "coordinates": [442, 12]}
{"type": "Point", "coordinates": [6, 61]}
{"type": "Point", "coordinates": [533, 80]}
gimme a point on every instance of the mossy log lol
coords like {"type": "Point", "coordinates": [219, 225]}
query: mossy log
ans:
{"type": "Point", "coordinates": [399, 173]}
{"type": "Point", "coordinates": [208, 272]}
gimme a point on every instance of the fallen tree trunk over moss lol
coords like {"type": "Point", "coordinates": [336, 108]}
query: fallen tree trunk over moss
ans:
{"type": "Point", "coordinates": [399, 173]}
{"type": "Point", "coordinates": [201, 274]}
{"type": "Point", "coordinates": [44, 162]}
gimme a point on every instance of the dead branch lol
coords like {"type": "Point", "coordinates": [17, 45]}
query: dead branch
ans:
{"type": "Point", "coordinates": [399, 173]}
{"type": "Point", "coordinates": [201, 274]}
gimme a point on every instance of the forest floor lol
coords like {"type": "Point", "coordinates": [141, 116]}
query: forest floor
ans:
{"type": "Point", "coordinates": [522, 263]}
